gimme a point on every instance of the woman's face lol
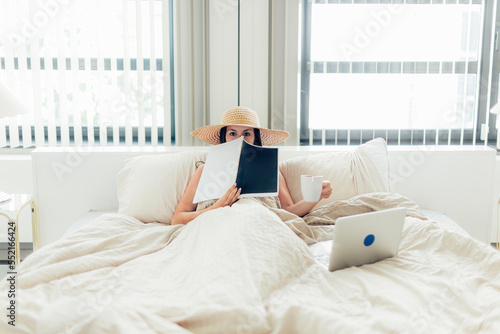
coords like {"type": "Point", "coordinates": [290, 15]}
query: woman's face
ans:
{"type": "Point", "coordinates": [235, 131]}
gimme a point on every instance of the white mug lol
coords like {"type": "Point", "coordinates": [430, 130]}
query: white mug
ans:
{"type": "Point", "coordinates": [311, 186]}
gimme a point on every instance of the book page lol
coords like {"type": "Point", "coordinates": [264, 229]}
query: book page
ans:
{"type": "Point", "coordinates": [219, 172]}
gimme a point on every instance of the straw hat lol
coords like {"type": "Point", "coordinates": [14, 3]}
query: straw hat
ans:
{"type": "Point", "coordinates": [239, 116]}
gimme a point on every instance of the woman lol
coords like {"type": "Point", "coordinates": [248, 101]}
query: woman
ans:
{"type": "Point", "coordinates": [237, 122]}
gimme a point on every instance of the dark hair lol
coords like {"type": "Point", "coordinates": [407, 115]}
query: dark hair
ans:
{"type": "Point", "coordinates": [257, 141]}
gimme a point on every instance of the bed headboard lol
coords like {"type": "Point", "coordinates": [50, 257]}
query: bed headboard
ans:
{"type": "Point", "coordinates": [458, 181]}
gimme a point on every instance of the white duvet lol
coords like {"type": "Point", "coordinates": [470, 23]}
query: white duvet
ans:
{"type": "Point", "coordinates": [243, 269]}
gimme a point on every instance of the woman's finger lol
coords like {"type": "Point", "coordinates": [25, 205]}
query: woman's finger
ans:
{"type": "Point", "coordinates": [237, 194]}
{"type": "Point", "coordinates": [226, 199]}
{"type": "Point", "coordinates": [229, 191]}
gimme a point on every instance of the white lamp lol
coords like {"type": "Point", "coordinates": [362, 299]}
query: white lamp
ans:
{"type": "Point", "coordinates": [10, 105]}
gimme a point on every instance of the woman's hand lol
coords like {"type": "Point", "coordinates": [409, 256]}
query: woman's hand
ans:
{"type": "Point", "coordinates": [229, 197]}
{"type": "Point", "coordinates": [327, 190]}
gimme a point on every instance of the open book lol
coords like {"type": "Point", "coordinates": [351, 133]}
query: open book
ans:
{"type": "Point", "coordinates": [254, 169]}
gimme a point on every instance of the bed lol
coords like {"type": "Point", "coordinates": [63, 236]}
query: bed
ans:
{"type": "Point", "coordinates": [251, 268]}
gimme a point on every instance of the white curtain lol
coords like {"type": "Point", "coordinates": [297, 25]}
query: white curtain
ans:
{"type": "Point", "coordinates": [89, 70]}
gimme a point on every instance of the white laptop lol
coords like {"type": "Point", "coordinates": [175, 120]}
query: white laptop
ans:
{"type": "Point", "coordinates": [364, 238]}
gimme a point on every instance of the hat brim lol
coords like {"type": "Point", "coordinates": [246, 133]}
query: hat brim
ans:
{"type": "Point", "coordinates": [210, 134]}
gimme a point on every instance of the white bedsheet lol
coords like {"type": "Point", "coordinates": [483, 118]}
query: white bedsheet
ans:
{"type": "Point", "coordinates": [242, 270]}
{"type": "Point", "coordinates": [84, 219]}
{"type": "Point", "coordinates": [442, 218]}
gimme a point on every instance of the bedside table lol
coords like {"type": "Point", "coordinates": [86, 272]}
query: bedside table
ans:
{"type": "Point", "coordinates": [11, 210]}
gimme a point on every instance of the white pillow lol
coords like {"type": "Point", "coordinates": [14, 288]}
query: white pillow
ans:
{"type": "Point", "coordinates": [376, 149]}
{"type": "Point", "coordinates": [362, 170]}
{"type": "Point", "coordinates": [151, 186]}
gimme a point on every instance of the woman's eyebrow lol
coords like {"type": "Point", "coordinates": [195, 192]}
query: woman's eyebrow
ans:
{"type": "Point", "coordinates": [231, 129]}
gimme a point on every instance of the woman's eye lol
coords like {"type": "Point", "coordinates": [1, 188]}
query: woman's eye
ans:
{"type": "Point", "coordinates": [247, 134]}
{"type": "Point", "coordinates": [232, 134]}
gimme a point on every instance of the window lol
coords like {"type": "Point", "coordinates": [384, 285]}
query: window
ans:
{"type": "Point", "coordinates": [406, 71]}
{"type": "Point", "coordinates": [92, 71]}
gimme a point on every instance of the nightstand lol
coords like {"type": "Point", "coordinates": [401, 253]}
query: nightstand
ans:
{"type": "Point", "coordinates": [11, 210]}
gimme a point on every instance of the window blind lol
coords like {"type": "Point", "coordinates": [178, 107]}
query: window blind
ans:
{"type": "Point", "coordinates": [92, 72]}
{"type": "Point", "coordinates": [408, 71]}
